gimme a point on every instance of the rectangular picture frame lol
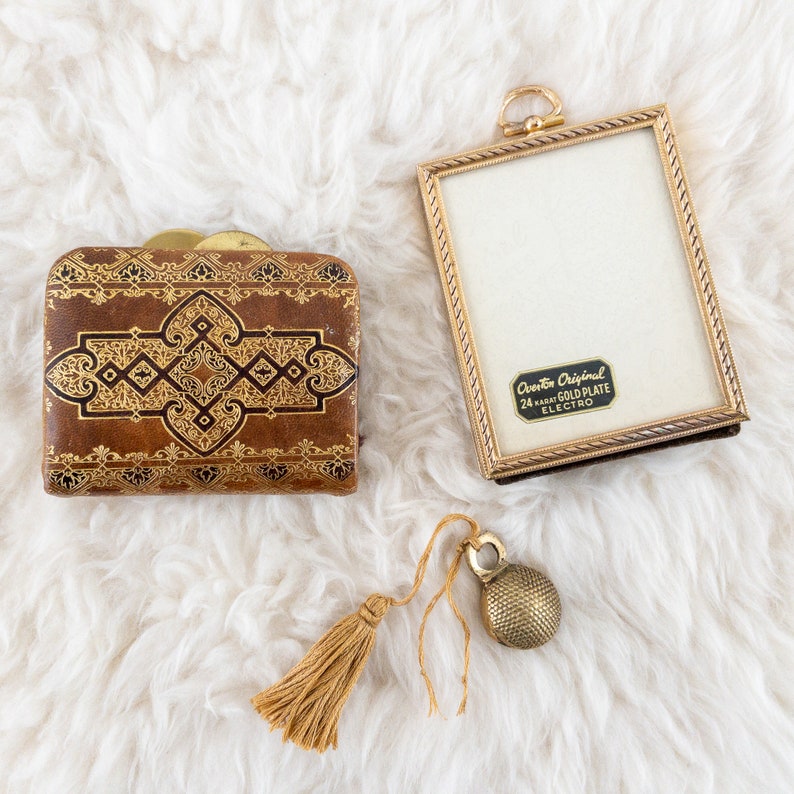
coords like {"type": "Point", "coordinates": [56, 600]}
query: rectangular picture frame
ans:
{"type": "Point", "coordinates": [490, 219]}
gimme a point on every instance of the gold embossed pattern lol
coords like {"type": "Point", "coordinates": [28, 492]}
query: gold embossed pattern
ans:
{"type": "Point", "coordinates": [201, 373]}
{"type": "Point", "coordinates": [235, 468]}
{"type": "Point", "coordinates": [132, 272]}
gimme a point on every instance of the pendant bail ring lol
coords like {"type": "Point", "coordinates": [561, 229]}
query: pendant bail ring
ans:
{"type": "Point", "coordinates": [533, 123]}
{"type": "Point", "coordinates": [486, 539]}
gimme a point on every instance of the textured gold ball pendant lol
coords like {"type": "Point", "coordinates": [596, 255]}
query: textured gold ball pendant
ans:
{"type": "Point", "coordinates": [520, 606]}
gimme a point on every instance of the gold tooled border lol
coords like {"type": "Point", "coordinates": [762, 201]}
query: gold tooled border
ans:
{"type": "Point", "coordinates": [493, 465]}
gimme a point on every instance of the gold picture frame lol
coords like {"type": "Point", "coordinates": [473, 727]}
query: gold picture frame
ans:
{"type": "Point", "coordinates": [500, 214]}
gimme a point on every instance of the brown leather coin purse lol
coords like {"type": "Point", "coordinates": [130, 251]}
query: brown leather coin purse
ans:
{"type": "Point", "coordinates": [195, 370]}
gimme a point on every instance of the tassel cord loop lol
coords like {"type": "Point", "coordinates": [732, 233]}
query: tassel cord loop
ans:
{"type": "Point", "coordinates": [421, 566]}
{"type": "Point", "coordinates": [473, 540]}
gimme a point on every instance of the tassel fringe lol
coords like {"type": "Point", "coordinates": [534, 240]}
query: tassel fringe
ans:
{"type": "Point", "coordinates": [308, 701]}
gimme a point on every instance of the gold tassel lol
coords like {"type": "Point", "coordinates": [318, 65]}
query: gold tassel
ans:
{"type": "Point", "coordinates": [307, 703]}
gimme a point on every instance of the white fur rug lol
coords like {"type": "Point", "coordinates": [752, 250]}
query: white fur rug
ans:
{"type": "Point", "coordinates": [133, 631]}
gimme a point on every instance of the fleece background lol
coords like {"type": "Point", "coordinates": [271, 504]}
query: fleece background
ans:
{"type": "Point", "coordinates": [133, 631]}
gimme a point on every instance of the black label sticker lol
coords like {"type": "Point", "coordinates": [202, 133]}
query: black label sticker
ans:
{"type": "Point", "coordinates": [563, 390]}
